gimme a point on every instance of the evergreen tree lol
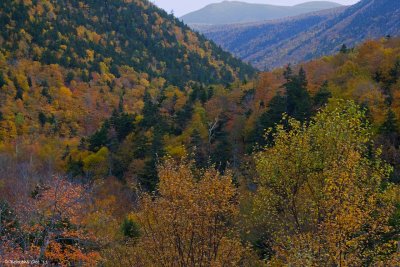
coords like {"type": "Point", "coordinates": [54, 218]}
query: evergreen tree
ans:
{"type": "Point", "coordinates": [222, 153]}
{"type": "Point", "coordinates": [130, 228]}
{"type": "Point", "coordinates": [2, 80]}
{"type": "Point", "coordinates": [150, 112]}
{"type": "Point", "coordinates": [20, 91]}
{"type": "Point", "coordinates": [70, 77]}
{"type": "Point", "coordinates": [45, 92]}
{"type": "Point", "coordinates": [42, 118]}
{"type": "Point", "coordinates": [268, 119]}
{"type": "Point", "coordinates": [123, 124]}
{"type": "Point", "coordinates": [100, 138]}
{"type": "Point", "coordinates": [322, 96]}
{"type": "Point", "coordinates": [75, 167]}
{"type": "Point", "coordinates": [395, 72]}
{"type": "Point", "coordinates": [389, 140]}
{"type": "Point", "coordinates": [390, 125]}
{"type": "Point", "coordinates": [344, 49]}
{"type": "Point", "coordinates": [182, 116]}
{"type": "Point", "coordinates": [149, 178]}
{"type": "Point", "coordinates": [298, 98]}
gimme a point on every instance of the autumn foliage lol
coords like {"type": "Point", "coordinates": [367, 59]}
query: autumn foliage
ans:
{"type": "Point", "coordinates": [323, 194]}
{"type": "Point", "coordinates": [48, 227]}
{"type": "Point", "coordinates": [108, 157]}
{"type": "Point", "coordinates": [190, 222]}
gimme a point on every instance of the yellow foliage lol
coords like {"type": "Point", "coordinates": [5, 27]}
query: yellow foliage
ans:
{"type": "Point", "coordinates": [190, 222]}
{"type": "Point", "coordinates": [319, 191]}
{"type": "Point", "coordinates": [65, 93]}
{"type": "Point", "coordinates": [176, 151]}
{"type": "Point", "coordinates": [97, 164]}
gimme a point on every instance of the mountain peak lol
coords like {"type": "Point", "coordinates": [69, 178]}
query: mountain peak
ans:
{"type": "Point", "coordinates": [229, 12]}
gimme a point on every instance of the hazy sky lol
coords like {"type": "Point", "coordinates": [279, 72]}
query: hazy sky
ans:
{"type": "Point", "coordinates": [182, 7]}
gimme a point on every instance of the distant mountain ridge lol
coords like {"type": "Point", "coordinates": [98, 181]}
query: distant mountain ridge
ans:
{"type": "Point", "coordinates": [275, 43]}
{"type": "Point", "coordinates": [228, 12]}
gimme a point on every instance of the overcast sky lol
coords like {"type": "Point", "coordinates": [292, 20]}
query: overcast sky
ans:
{"type": "Point", "coordinates": [182, 7]}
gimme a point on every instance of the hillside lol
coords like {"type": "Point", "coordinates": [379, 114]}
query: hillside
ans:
{"type": "Point", "coordinates": [104, 164]}
{"type": "Point", "coordinates": [67, 66]}
{"type": "Point", "coordinates": [127, 139]}
{"type": "Point", "coordinates": [275, 43]}
{"type": "Point", "coordinates": [87, 34]}
{"type": "Point", "coordinates": [229, 12]}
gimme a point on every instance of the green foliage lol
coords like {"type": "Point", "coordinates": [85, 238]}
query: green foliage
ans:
{"type": "Point", "coordinates": [42, 118]}
{"type": "Point", "coordinates": [344, 49]}
{"type": "Point", "coordinates": [97, 165]}
{"type": "Point", "coordinates": [320, 186]}
{"type": "Point", "coordinates": [100, 138]}
{"type": "Point", "coordinates": [298, 98]}
{"type": "Point", "coordinates": [123, 124]}
{"type": "Point", "coordinates": [296, 103]}
{"type": "Point", "coordinates": [130, 229]}
{"type": "Point", "coordinates": [150, 112]}
{"type": "Point", "coordinates": [277, 107]}
{"type": "Point", "coordinates": [321, 98]}
{"type": "Point", "coordinates": [390, 125]}
{"type": "Point", "coordinates": [75, 167]}
{"type": "Point", "coordinates": [2, 80]}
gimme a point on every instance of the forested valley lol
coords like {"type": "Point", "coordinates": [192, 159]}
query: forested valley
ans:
{"type": "Point", "coordinates": [129, 140]}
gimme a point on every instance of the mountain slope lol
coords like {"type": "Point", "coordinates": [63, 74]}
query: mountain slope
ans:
{"type": "Point", "coordinates": [229, 12]}
{"type": "Point", "coordinates": [275, 43]}
{"type": "Point", "coordinates": [83, 34]}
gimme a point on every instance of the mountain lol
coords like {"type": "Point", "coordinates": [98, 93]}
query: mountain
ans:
{"type": "Point", "coordinates": [228, 12]}
{"type": "Point", "coordinates": [275, 43]}
{"type": "Point", "coordinates": [73, 71]}
{"type": "Point", "coordinates": [83, 34]}
{"type": "Point", "coordinates": [117, 148]}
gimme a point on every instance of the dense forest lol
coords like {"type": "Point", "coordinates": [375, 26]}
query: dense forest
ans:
{"type": "Point", "coordinates": [107, 161]}
{"type": "Point", "coordinates": [100, 36]}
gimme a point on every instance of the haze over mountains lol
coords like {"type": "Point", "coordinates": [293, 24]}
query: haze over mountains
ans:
{"type": "Point", "coordinates": [275, 43]}
{"type": "Point", "coordinates": [228, 12]}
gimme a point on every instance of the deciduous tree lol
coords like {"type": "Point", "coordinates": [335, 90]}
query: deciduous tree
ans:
{"type": "Point", "coordinates": [323, 194]}
{"type": "Point", "coordinates": [191, 220]}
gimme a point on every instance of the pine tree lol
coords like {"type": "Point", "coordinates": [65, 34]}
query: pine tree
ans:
{"type": "Point", "coordinates": [390, 125]}
{"type": "Point", "coordinates": [149, 178]}
{"type": "Point", "coordinates": [2, 80]}
{"type": "Point", "coordinates": [196, 149]}
{"type": "Point", "coordinates": [344, 49]}
{"type": "Point", "coordinates": [100, 138]}
{"type": "Point", "coordinates": [42, 118]}
{"type": "Point", "coordinates": [298, 98]}
{"type": "Point", "coordinates": [268, 119]}
{"type": "Point", "coordinates": [150, 112]}
{"type": "Point", "coordinates": [322, 96]}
